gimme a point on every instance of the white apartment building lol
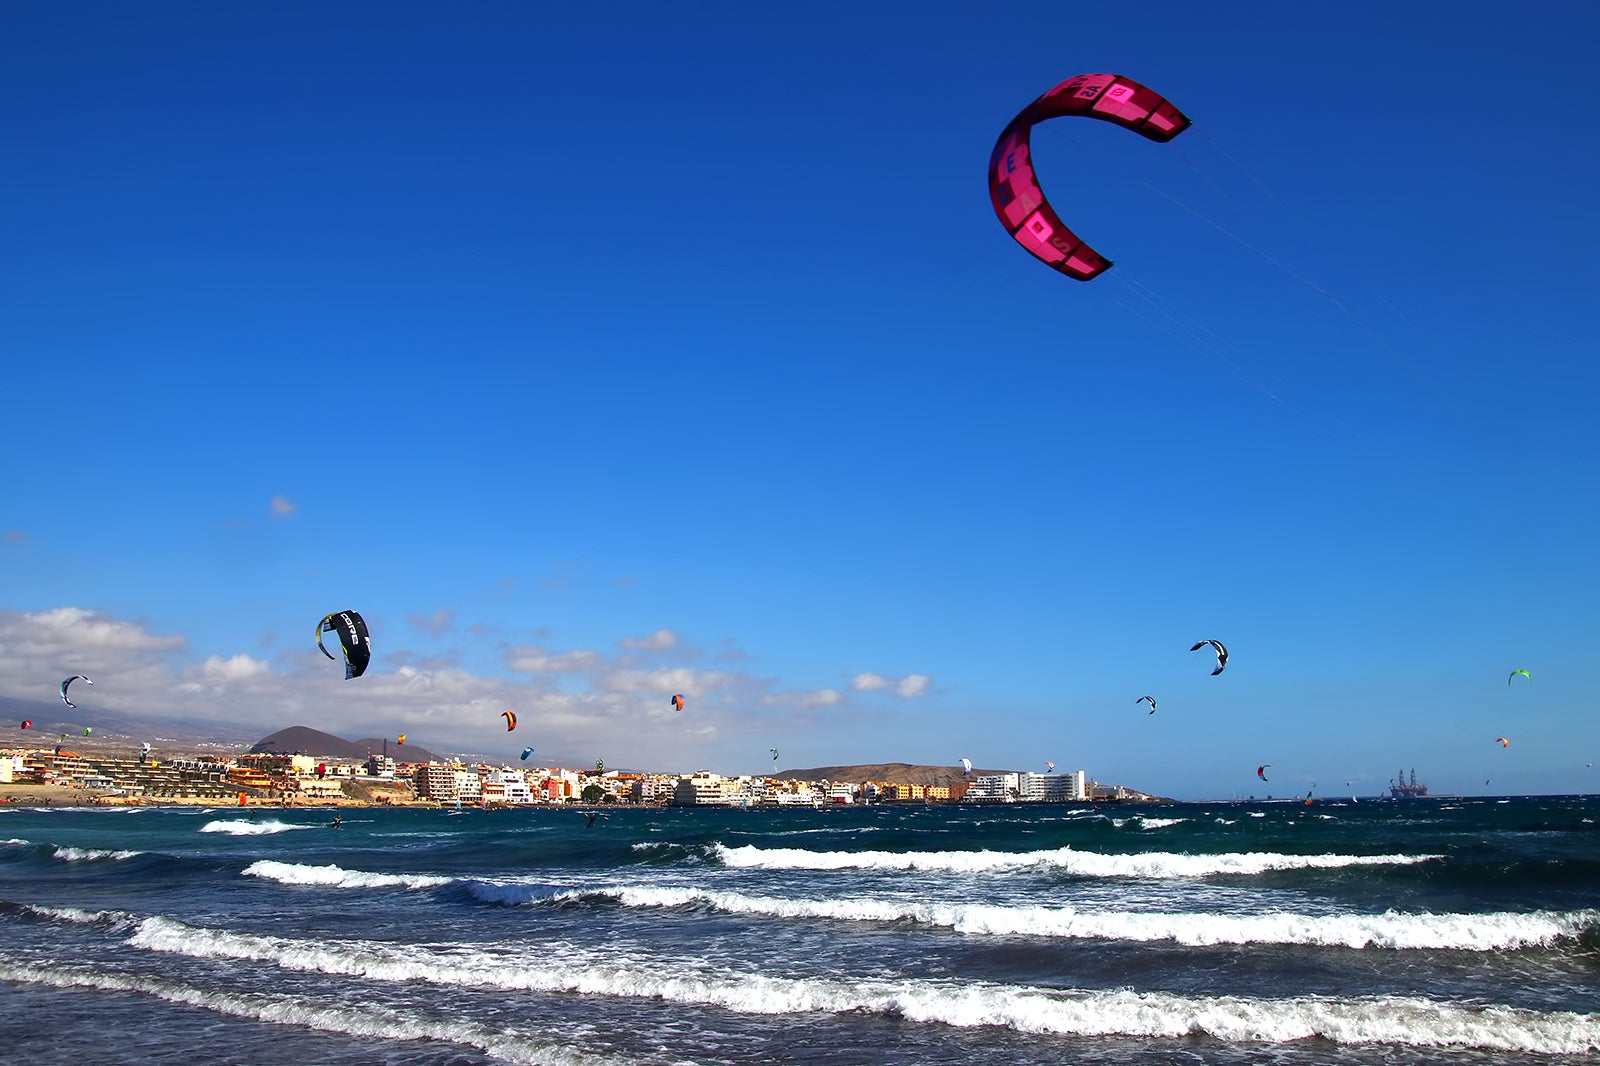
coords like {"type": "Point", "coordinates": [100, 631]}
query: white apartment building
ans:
{"type": "Point", "coordinates": [994, 788]}
{"type": "Point", "coordinates": [508, 786]}
{"type": "Point", "coordinates": [1052, 788]}
{"type": "Point", "coordinates": [468, 784]}
{"type": "Point", "coordinates": [840, 792]}
{"type": "Point", "coordinates": [705, 789]}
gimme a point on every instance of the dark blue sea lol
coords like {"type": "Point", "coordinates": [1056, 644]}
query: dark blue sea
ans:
{"type": "Point", "coordinates": [1342, 932]}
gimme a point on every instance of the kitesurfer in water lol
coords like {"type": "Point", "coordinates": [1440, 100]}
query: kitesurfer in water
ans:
{"type": "Point", "coordinates": [589, 815]}
{"type": "Point", "coordinates": [337, 817]}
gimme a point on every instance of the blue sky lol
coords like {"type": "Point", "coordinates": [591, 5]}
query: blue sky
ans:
{"type": "Point", "coordinates": [598, 354]}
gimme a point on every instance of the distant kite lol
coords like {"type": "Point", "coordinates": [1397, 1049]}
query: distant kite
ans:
{"type": "Point", "coordinates": [1524, 673]}
{"type": "Point", "coordinates": [353, 636]}
{"type": "Point", "coordinates": [525, 753]}
{"type": "Point", "coordinates": [774, 752]}
{"type": "Point", "coordinates": [966, 766]}
{"type": "Point", "coordinates": [401, 739]}
{"type": "Point", "coordinates": [677, 703]}
{"type": "Point", "coordinates": [1049, 767]}
{"type": "Point", "coordinates": [1503, 742]}
{"type": "Point", "coordinates": [1261, 771]}
{"type": "Point", "coordinates": [1014, 190]}
{"type": "Point", "coordinates": [68, 681]}
{"type": "Point", "coordinates": [1151, 699]}
{"type": "Point", "coordinates": [1222, 654]}
{"type": "Point", "coordinates": [511, 719]}
{"type": "Point", "coordinates": [27, 723]}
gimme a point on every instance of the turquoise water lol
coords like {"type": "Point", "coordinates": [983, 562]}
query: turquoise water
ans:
{"type": "Point", "coordinates": [1371, 932]}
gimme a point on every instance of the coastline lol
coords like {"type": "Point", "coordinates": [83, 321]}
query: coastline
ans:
{"type": "Point", "coordinates": [31, 795]}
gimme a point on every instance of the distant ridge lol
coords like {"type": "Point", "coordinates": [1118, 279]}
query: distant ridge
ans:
{"type": "Point", "coordinates": [903, 773]}
{"type": "Point", "coordinates": [303, 740]}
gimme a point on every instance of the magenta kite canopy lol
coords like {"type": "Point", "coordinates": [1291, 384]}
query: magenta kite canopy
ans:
{"type": "Point", "coordinates": [1014, 190]}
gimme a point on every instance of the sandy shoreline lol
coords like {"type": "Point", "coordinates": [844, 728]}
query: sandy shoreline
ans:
{"type": "Point", "coordinates": [32, 795]}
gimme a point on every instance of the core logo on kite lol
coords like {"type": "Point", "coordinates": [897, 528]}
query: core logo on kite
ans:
{"type": "Point", "coordinates": [1014, 190]}
{"type": "Point", "coordinates": [353, 636]}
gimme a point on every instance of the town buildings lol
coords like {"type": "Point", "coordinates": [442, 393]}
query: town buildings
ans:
{"type": "Point", "coordinates": [302, 779]}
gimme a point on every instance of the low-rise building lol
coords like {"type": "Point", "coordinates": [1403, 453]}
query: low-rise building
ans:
{"type": "Point", "coordinates": [994, 788]}
{"type": "Point", "coordinates": [436, 782]}
{"type": "Point", "coordinates": [507, 786]}
{"type": "Point", "coordinates": [705, 789]}
{"type": "Point", "coordinates": [1051, 788]}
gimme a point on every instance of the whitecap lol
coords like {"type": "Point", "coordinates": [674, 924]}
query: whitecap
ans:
{"type": "Point", "coordinates": [1080, 863]}
{"type": "Point", "coordinates": [330, 876]}
{"type": "Point", "coordinates": [69, 854]}
{"type": "Point", "coordinates": [1396, 1020]}
{"type": "Point", "coordinates": [235, 827]}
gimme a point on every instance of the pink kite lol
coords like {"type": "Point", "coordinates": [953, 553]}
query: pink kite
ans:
{"type": "Point", "coordinates": [1014, 190]}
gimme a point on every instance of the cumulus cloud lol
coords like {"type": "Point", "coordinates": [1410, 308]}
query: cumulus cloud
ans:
{"type": "Point", "coordinates": [217, 675]}
{"type": "Point", "coordinates": [282, 506]}
{"type": "Point", "coordinates": [664, 682]}
{"type": "Point", "coordinates": [822, 697]}
{"type": "Point", "coordinates": [909, 687]}
{"type": "Point", "coordinates": [580, 703]}
{"type": "Point", "coordinates": [235, 668]}
{"type": "Point", "coordinates": [66, 632]}
{"type": "Point", "coordinates": [532, 659]}
{"type": "Point", "coordinates": [660, 640]}
{"type": "Point", "coordinates": [912, 685]}
{"type": "Point", "coordinates": [437, 623]}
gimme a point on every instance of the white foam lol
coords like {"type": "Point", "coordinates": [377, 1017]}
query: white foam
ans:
{"type": "Point", "coordinates": [1082, 863]}
{"type": "Point", "coordinates": [79, 916]}
{"type": "Point", "coordinates": [289, 1010]}
{"type": "Point", "coordinates": [235, 827]}
{"type": "Point", "coordinates": [1401, 1020]}
{"type": "Point", "coordinates": [1465, 932]}
{"type": "Point", "coordinates": [68, 854]}
{"type": "Point", "coordinates": [330, 876]}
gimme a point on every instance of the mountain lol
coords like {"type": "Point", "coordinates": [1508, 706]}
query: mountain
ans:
{"type": "Point", "coordinates": [303, 740]}
{"type": "Point", "coordinates": [901, 773]}
{"type": "Point", "coordinates": [113, 729]}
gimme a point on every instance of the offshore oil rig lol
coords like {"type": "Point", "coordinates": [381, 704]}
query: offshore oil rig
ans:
{"type": "Point", "coordinates": [1401, 790]}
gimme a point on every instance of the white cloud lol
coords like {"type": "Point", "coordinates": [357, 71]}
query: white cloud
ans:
{"type": "Point", "coordinates": [822, 697]}
{"type": "Point", "coordinates": [438, 623]}
{"type": "Point", "coordinates": [235, 668]}
{"type": "Point", "coordinates": [665, 681]}
{"type": "Point", "coordinates": [660, 640]}
{"type": "Point", "coordinates": [574, 704]}
{"type": "Point", "coordinates": [282, 506]}
{"type": "Point", "coordinates": [532, 659]}
{"type": "Point", "coordinates": [912, 685]}
{"type": "Point", "coordinates": [909, 687]}
{"type": "Point", "coordinates": [72, 632]}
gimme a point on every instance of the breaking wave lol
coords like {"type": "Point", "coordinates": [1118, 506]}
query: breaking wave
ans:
{"type": "Point", "coordinates": [235, 827]}
{"type": "Point", "coordinates": [1464, 932]}
{"type": "Point", "coordinates": [1081, 863]}
{"type": "Point", "coordinates": [330, 876]}
{"type": "Point", "coordinates": [341, 1018]}
{"type": "Point", "coordinates": [1410, 1021]}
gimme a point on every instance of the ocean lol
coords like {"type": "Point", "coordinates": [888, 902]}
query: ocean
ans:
{"type": "Point", "coordinates": [1369, 932]}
